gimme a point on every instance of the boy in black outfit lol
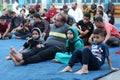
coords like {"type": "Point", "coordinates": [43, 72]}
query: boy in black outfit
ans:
{"type": "Point", "coordinates": [91, 58]}
{"type": "Point", "coordinates": [86, 28]}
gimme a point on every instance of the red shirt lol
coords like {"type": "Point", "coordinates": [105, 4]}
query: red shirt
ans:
{"type": "Point", "coordinates": [3, 27]}
{"type": "Point", "coordinates": [51, 13]}
{"type": "Point", "coordinates": [112, 29]}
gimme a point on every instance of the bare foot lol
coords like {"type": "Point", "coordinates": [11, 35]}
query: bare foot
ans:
{"type": "Point", "coordinates": [82, 71]}
{"type": "Point", "coordinates": [55, 60]}
{"type": "Point", "coordinates": [17, 37]}
{"type": "Point", "coordinates": [8, 58]}
{"type": "Point", "coordinates": [16, 55]}
{"type": "Point", "coordinates": [67, 69]}
{"type": "Point", "coordinates": [16, 62]}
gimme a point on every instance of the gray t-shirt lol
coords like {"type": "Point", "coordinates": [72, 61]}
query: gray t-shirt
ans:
{"type": "Point", "coordinates": [57, 36]}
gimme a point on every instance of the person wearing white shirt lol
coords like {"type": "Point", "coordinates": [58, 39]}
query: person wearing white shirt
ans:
{"type": "Point", "coordinates": [76, 12]}
{"type": "Point", "coordinates": [105, 16]}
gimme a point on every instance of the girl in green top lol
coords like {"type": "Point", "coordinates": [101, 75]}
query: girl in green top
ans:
{"type": "Point", "coordinates": [73, 42]}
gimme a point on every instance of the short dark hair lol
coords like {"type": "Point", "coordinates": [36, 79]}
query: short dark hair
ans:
{"type": "Point", "coordinates": [37, 16]}
{"type": "Point", "coordinates": [32, 11]}
{"type": "Point", "coordinates": [12, 12]}
{"type": "Point", "coordinates": [3, 17]}
{"type": "Point", "coordinates": [98, 19]}
{"type": "Point", "coordinates": [25, 20]}
{"type": "Point", "coordinates": [87, 15]}
{"type": "Point", "coordinates": [63, 19]}
{"type": "Point", "coordinates": [45, 10]}
{"type": "Point", "coordinates": [101, 12]}
{"type": "Point", "coordinates": [65, 11]}
{"type": "Point", "coordinates": [100, 7]}
{"type": "Point", "coordinates": [99, 31]}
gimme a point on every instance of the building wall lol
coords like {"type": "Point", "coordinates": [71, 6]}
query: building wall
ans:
{"type": "Point", "coordinates": [59, 3]}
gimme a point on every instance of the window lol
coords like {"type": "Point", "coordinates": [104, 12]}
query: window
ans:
{"type": "Point", "coordinates": [33, 1]}
{"type": "Point", "coordinates": [102, 0]}
{"type": "Point", "coordinates": [72, 1]}
{"type": "Point", "coordinates": [8, 1]}
{"type": "Point", "coordinates": [12, 1]}
{"type": "Point", "coordinates": [54, 1]}
{"type": "Point", "coordinates": [66, 1]}
{"type": "Point", "coordinates": [83, 1]}
{"type": "Point", "coordinates": [96, 1]}
{"type": "Point", "coordinates": [113, 1]}
{"type": "Point", "coordinates": [28, 1]}
{"type": "Point", "coordinates": [59, 1]}
{"type": "Point", "coordinates": [88, 1]}
{"type": "Point", "coordinates": [39, 1]}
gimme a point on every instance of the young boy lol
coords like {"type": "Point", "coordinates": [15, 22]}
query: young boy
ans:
{"type": "Point", "coordinates": [73, 43]}
{"type": "Point", "coordinates": [33, 44]}
{"type": "Point", "coordinates": [86, 28]}
{"type": "Point", "coordinates": [93, 58]}
{"type": "Point", "coordinates": [4, 28]}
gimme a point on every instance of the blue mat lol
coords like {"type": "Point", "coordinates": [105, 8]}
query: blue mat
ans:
{"type": "Point", "coordinates": [45, 70]}
{"type": "Point", "coordinates": [117, 26]}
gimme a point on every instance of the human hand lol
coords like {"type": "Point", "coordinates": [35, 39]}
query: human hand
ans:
{"type": "Point", "coordinates": [90, 40]}
{"type": "Point", "coordinates": [38, 46]}
{"type": "Point", "coordinates": [0, 35]}
{"type": "Point", "coordinates": [3, 36]}
{"type": "Point", "coordinates": [112, 68]}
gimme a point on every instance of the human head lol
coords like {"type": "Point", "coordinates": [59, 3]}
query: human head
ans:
{"type": "Point", "coordinates": [44, 10]}
{"type": "Point", "coordinates": [12, 14]}
{"type": "Point", "coordinates": [99, 22]}
{"type": "Point", "coordinates": [22, 11]}
{"type": "Point", "coordinates": [37, 18]}
{"type": "Point", "coordinates": [74, 5]}
{"type": "Point", "coordinates": [64, 12]}
{"type": "Point", "coordinates": [26, 22]}
{"type": "Point", "coordinates": [36, 33]}
{"type": "Point", "coordinates": [72, 33]}
{"type": "Point", "coordinates": [32, 12]}
{"type": "Point", "coordinates": [59, 20]}
{"type": "Point", "coordinates": [99, 14]}
{"type": "Point", "coordinates": [3, 19]}
{"type": "Point", "coordinates": [52, 6]}
{"type": "Point", "coordinates": [100, 8]}
{"type": "Point", "coordinates": [86, 17]}
{"type": "Point", "coordinates": [110, 14]}
{"type": "Point", "coordinates": [98, 35]}
{"type": "Point", "coordinates": [93, 2]}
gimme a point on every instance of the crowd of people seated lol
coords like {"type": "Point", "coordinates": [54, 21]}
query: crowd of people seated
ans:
{"type": "Point", "coordinates": [55, 28]}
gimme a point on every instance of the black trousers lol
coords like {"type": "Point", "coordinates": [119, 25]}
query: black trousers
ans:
{"type": "Point", "coordinates": [41, 54]}
{"type": "Point", "coordinates": [85, 57]}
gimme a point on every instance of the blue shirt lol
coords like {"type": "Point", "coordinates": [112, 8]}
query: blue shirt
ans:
{"type": "Point", "coordinates": [100, 51]}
